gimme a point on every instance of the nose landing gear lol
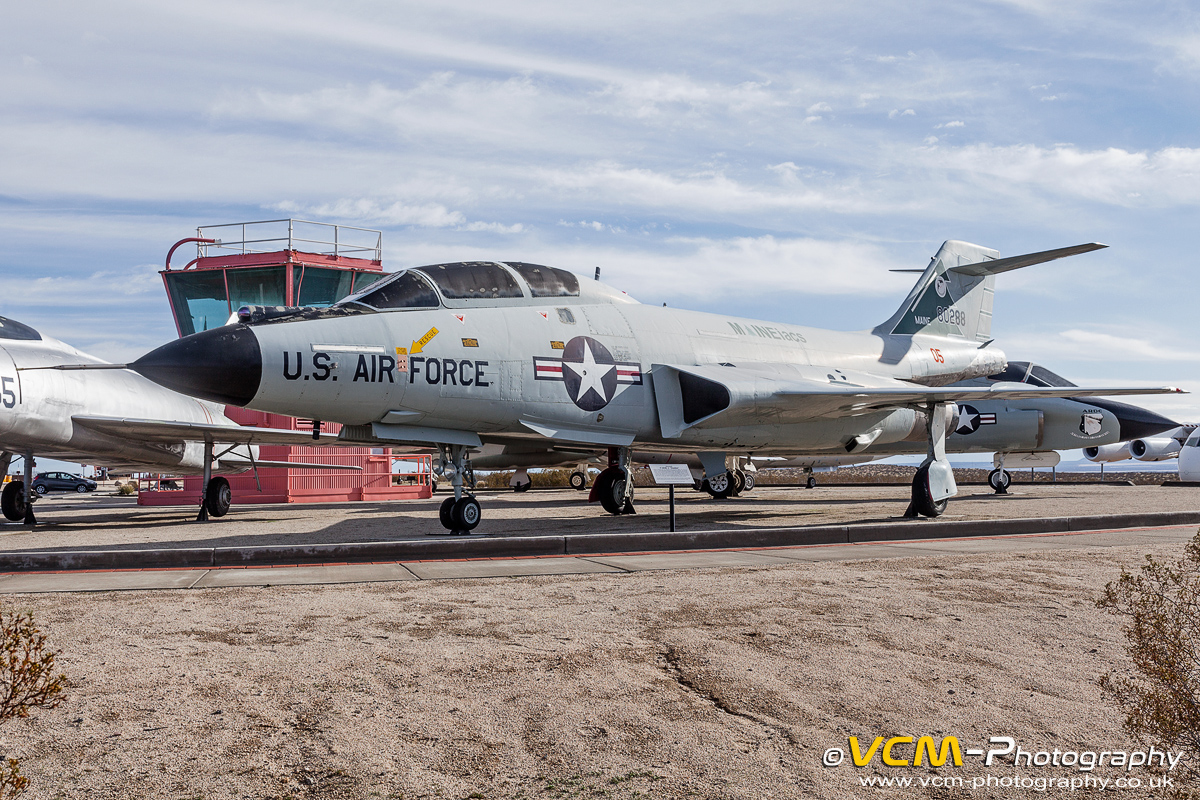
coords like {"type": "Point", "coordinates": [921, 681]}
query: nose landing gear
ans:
{"type": "Point", "coordinates": [461, 513]}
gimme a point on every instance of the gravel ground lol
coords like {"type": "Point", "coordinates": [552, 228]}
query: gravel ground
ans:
{"type": "Point", "coordinates": [724, 683]}
{"type": "Point", "coordinates": [72, 522]}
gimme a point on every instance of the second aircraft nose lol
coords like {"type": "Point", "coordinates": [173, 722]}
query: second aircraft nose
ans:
{"type": "Point", "coordinates": [223, 365]}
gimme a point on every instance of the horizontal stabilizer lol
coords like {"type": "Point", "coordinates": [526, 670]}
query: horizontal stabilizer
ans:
{"type": "Point", "coordinates": [996, 266]}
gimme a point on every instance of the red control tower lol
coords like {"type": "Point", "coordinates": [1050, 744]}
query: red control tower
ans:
{"type": "Point", "coordinates": [286, 262]}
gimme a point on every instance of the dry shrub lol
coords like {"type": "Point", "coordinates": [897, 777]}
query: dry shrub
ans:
{"type": "Point", "coordinates": [1161, 695]}
{"type": "Point", "coordinates": [27, 681]}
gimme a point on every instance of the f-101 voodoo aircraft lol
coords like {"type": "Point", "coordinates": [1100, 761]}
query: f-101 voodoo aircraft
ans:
{"type": "Point", "coordinates": [59, 402]}
{"type": "Point", "coordinates": [453, 355]}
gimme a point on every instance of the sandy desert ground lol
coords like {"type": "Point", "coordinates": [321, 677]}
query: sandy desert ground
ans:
{"type": "Point", "coordinates": [705, 683]}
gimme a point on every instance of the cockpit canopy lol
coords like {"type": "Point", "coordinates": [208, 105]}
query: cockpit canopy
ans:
{"type": "Point", "coordinates": [1028, 372]}
{"type": "Point", "coordinates": [420, 287]}
{"type": "Point", "coordinates": [11, 329]}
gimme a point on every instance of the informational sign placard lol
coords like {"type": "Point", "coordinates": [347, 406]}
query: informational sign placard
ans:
{"type": "Point", "coordinates": [671, 474]}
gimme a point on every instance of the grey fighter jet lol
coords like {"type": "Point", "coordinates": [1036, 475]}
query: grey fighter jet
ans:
{"type": "Point", "coordinates": [59, 402]}
{"type": "Point", "coordinates": [452, 355]}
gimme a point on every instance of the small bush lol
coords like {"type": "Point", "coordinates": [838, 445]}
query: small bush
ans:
{"type": "Point", "coordinates": [1161, 697]}
{"type": "Point", "coordinates": [27, 681]}
{"type": "Point", "coordinates": [126, 489]}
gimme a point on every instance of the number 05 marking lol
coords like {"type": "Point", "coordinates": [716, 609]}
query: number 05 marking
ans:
{"type": "Point", "coordinates": [937, 355]}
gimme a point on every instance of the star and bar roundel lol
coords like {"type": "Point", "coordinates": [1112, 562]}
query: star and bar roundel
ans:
{"type": "Point", "coordinates": [589, 371]}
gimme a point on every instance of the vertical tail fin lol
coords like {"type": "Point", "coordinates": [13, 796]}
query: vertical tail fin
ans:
{"type": "Point", "coordinates": [946, 303]}
{"type": "Point", "coordinates": [953, 296]}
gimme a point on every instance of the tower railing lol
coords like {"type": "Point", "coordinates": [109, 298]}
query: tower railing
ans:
{"type": "Point", "coordinates": [270, 235]}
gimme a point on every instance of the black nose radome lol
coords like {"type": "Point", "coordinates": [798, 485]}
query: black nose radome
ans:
{"type": "Point", "coordinates": [223, 365]}
{"type": "Point", "coordinates": [1136, 422]}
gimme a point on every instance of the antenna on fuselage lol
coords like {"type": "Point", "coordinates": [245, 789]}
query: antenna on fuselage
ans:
{"type": "Point", "coordinates": [597, 274]}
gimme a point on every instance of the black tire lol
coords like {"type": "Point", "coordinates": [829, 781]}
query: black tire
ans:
{"type": "Point", "coordinates": [466, 514]}
{"type": "Point", "coordinates": [218, 497]}
{"type": "Point", "coordinates": [739, 482]}
{"type": "Point", "coordinates": [40, 488]}
{"type": "Point", "coordinates": [719, 486]}
{"type": "Point", "coordinates": [1000, 480]}
{"type": "Point", "coordinates": [610, 488]}
{"type": "Point", "coordinates": [922, 500]}
{"type": "Point", "coordinates": [578, 481]}
{"type": "Point", "coordinates": [444, 513]}
{"type": "Point", "coordinates": [750, 482]}
{"type": "Point", "coordinates": [12, 500]}
{"type": "Point", "coordinates": [811, 483]}
{"type": "Point", "coordinates": [81, 488]}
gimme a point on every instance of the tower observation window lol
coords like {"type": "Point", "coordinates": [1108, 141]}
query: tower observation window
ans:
{"type": "Point", "coordinates": [547, 281]}
{"type": "Point", "coordinates": [406, 290]}
{"type": "Point", "coordinates": [472, 280]}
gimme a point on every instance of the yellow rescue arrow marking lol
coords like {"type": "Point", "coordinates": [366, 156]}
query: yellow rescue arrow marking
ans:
{"type": "Point", "coordinates": [419, 345]}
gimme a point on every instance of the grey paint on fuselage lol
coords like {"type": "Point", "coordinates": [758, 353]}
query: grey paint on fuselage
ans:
{"type": "Point", "coordinates": [501, 390]}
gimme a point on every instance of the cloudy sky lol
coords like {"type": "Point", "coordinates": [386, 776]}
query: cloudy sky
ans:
{"type": "Point", "coordinates": [766, 159]}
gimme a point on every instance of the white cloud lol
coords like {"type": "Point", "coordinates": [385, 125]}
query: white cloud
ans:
{"type": "Point", "coordinates": [1165, 177]}
{"type": "Point", "coordinates": [958, 123]}
{"type": "Point", "coordinates": [372, 212]}
{"type": "Point", "coordinates": [819, 108]}
{"type": "Point", "coordinates": [895, 112]}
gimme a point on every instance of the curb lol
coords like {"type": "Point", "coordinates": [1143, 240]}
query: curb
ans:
{"type": "Point", "coordinates": [583, 544]}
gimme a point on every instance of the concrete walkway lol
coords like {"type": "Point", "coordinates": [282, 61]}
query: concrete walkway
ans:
{"type": "Point", "coordinates": [449, 569]}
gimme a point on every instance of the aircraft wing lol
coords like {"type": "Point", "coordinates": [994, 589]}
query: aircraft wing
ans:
{"type": "Point", "coordinates": [159, 430]}
{"type": "Point", "coordinates": [725, 396]}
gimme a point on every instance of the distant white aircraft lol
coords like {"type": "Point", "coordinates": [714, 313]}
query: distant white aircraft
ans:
{"type": "Point", "coordinates": [59, 402]}
{"type": "Point", "coordinates": [1189, 458]}
{"type": "Point", "coordinates": [1162, 447]}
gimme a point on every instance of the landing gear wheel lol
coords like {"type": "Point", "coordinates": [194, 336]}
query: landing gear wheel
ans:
{"type": "Point", "coordinates": [522, 487]}
{"type": "Point", "coordinates": [719, 486]}
{"type": "Point", "coordinates": [739, 482]}
{"type": "Point", "coordinates": [750, 482]}
{"type": "Point", "coordinates": [40, 489]}
{"type": "Point", "coordinates": [218, 497]}
{"type": "Point", "coordinates": [578, 481]}
{"type": "Point", "coordinates": [811, 483]}
{"type": "Point", "coordinates": [444, 513]}
{"type": "Point", "coordinates": [465, 514]}
{"type": "Point", "coordinates": [922, 501]}
{"type": "Point", "coordinates": [610, 490]}
{"type": "Point", "coordinates": [13, 501]}
{"type": "Point", "coordinates": [999, 480]}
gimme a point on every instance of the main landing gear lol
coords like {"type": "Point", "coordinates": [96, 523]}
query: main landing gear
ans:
{"type": "Point", "coordinates": [17, 499]}
{"type": "Point", "coordinates": [461, 513]}
{"type": "Point", "coordinates": [217, 497]}
{"type": "Point", "coordinates": [579, 478]}
{"type": "Point", "coordinates": [520, 481]}
{"type": "Point", "coordinates": [725, 477]}
{"type": "Point", "coordinates": [933, 485]}
{"type": "Point", "coordinates": [614, 486]}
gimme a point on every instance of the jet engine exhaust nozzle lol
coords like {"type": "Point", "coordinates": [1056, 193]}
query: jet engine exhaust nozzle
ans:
{"type": "Point", "coordinates": [223, 365]}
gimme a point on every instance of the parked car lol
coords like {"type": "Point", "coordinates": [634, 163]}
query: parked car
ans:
{"type": "Point", "coordinates": [62, 482]}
